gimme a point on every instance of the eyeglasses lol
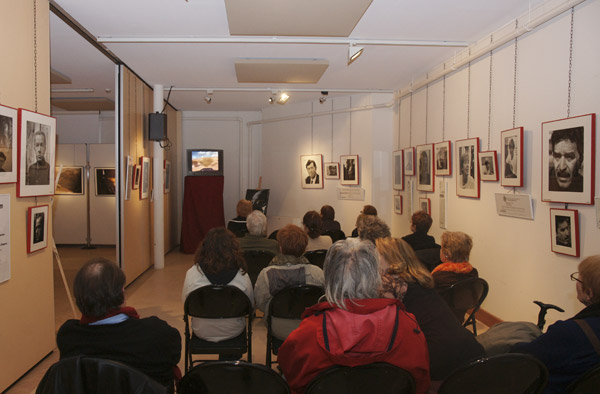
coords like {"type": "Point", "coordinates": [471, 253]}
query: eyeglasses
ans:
{"type": "Point", "coordinates": [575, 277]}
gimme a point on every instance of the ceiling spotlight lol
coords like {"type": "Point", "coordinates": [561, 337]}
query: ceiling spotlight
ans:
{"type": "Point", "coordinates": [354, 52]}
{"type": "Point", "coordinates": [283, 98]}
{"type": "Point", "coordinates": [271, 100]}
{"type": "Point", "coordinates": [208, 97]}
{"type": "Point", "coordinates": [324, 94]}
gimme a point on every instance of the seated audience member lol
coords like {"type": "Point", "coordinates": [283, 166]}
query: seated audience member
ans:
{"type": "Point", "coordinates": [313, 227]}
{"type": "Point", "coordinates": [218, 261]}
{"type": "Point", "coordinates": [370, 228]}
{"type": "Point", "coordinates": [108, 329]}
{"type": "Point", "coordinates": [406, 279]}
{"type": "Point", "coordinates": [424, 245]}
{"type": "Point", "coordinates": [237, 225]}
{"type": "Point", "coordinates": [354, 326]}
{"type": "Point", "coordinates": [566, 348]}
{"type": "Point", "coordinates": [328, 218]}
{"type": "Point", "coordinates": [256, 239]}
{"type": "Point", "coordinates": [455, 251]}
{"type": "Point", "coordinates": [367, 210]}
{"type": "Point", "coordinates": [287, 269]}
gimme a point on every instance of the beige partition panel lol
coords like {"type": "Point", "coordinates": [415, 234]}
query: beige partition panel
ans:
{"type": "Point", "coordinates": [27, 298]}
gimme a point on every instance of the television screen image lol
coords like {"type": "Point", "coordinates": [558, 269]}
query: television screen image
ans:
{"type": "Point", "coordinates": [205, 162]}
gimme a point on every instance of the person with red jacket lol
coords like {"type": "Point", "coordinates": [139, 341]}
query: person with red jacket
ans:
{"type": "Point", "coordinates": [354, 326]}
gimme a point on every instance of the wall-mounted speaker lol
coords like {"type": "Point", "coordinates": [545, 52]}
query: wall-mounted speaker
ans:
{"type": "Point", "coordinates": [157, 126]}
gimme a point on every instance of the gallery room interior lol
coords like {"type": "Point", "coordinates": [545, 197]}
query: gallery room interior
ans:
{"type": "Point", "coordinates": [458, 90]}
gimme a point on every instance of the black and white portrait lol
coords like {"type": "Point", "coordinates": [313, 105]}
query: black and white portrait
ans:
{"type": "Point", "coordinates": [565, 170]}
{"type": "Point", "coordinates": [349, 170]}
{"type": "Point", "coordinates": [38, 168]}
{"type": "Point", "coordinates": [467, 181]}
{"type": "Point", "coordinates": [332, 170]}
{"type": "Point", "coordinates": [398, 204]}
{"type": "Point", "coordinates": [144, 177]}
{"type": "Point", "coordinates": [259, 199]}
{"type": "Point", "coordinates": [488, 167]}
{"type": "Point", "coordinates": [8, 144]}
{"type": "Point", "coordinates": [425, 168]}
{"type": "Point", "coordinates": [409, 168]}
{"type": "Point", "coordinates": [37, 228]}
{"type": "Point", "coordinates": [442, 158]}
{"type": "Point", "coordinates": [511, 157]}
{"type": "Point", "coordinates": [398, 162]}
{"type": "Point", "coordinates": [564, 231]}
{"type": "Point", "coordinates": [311, 171]}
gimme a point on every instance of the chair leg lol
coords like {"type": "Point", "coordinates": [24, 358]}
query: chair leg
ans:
{"type": "Point", "coordinates": [268, 358]}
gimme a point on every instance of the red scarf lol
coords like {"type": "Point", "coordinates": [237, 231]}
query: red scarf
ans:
{"type": "Point", "coordinates": [459, 268]}
{"type": "Point", "coordinates": [129, 311]}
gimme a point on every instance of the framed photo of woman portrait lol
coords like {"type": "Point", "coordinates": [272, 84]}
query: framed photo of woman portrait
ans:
{"type": "Point", "coordinates": [425, 168]}
{"type": "Point", "coordinates": [37, 228]}
{"type": "Point", "coordinates": [409, 161]}
{"type": "Point", "coordinates": [511, 155]}
{"type": "Point", "coordinates": [564, 231]}
{"type": "Point", "coordinates": [568, 160]}
{"type": "Point", "coordinates": [350, 170]}
{"type": "Point", "coordinates": [8, 144]}
{"type": "Point", "coordinates": [488, 165]}
{"type": "Point", "coordinates": [443, 158]}
{"type": "Point", "coordinates": [311, 171]}
{"type": "Point", "coordinates": [398, 169]}
{"type": "Point", "coordinates": [467, 180]}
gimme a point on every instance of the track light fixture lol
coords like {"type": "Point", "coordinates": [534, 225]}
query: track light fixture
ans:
{"type": "Point", "coordinates": [323, 98]}
{"type": "Point", "coordinates": [208, 97]}
{"type": "Point", "coordinates": [354, 52]}
{"type": "Point", "coordinates": [283, 98]}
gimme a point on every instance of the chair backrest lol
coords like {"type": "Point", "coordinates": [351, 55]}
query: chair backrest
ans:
{"type": "Point", "coordinates": [290, 302]}
{"type": "Point", "coordinates": [380, 378]}
{"type": "Point", "coordinates": [227, 377]}
{"type": "Point", "coordinates": [256, 260]}
{"type": "Point", "coordinates": [507, 373]}
{"type": "Point", "coordinates": [335, 235]}
{"type": "Point", "coordinates": [587, 383]}
{"type": "Point", "coordinates": [217, 302]}
{"type": "Point", "coordinates": [466, 294]}
{"type": "Point", "coordinates": [273, 235]}
{"type": "Point", "coordinates": [316, 257]}
{"type": "Point", "coordinates": [88, 375]}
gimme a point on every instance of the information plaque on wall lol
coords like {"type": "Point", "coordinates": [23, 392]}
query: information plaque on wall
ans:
{"type": "Point", "coordinates": [514, 205]}
{"type": "Point", "coordinates": [351, 193]}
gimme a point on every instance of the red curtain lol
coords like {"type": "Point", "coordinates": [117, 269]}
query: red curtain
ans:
{"type": "Point", "coordinates": [202, 209]}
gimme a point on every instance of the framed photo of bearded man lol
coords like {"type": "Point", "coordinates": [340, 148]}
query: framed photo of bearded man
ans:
{"type": "Point", "coordinates": [568, 160]}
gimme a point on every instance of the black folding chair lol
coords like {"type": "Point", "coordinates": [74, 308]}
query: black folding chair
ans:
{"type": "Point", "coordinates": [217, 302]}
{"type": "Point", "coordinates": [380, 378]}
{"type": "Point", "coordinates": [256, 260]}
{"type": "Point", "coordinates": [316, 257]}
{"type": "Point", "coordinates": [588, 383]}
{"type": "Point", "coordinates": [464, 295]}
{"type": "Point", "coordinates": [232, 377]}
{"type": "Point", "coordinates": [335, 235]}
{"type": "Point", "coordinates": [82, 374]}
{"type": "Point", "coordinates": [289, 303]}
{"type": "Point", "coordinates": [512, 373]}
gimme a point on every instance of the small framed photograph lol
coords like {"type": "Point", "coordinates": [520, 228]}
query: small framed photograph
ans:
{"type": "Point", "coordinates": [425, 168]}
{"type": "Point", "coordinates": [564, 231]}
{"type": "Point", "coordinates": [512, 157]}
{"type": "Point", "coordinates": [467, 181]}
{"type": "Point", "coordinates": [425, 205]}
{"type": "Point", "coordinates": [37, 228]}
{"type": "Point", "coordinates": [443, 158]}
{"type": "Point", "coordinates": [397, 158]}
{"type": "Point", "coordinates": [568, 160]}
{"type": "Point", "coordinates": [488, 165]}
{"type": "Point", "coordinates": [350, 170]}
{"type": "Point", "coordinates": [8, 144]}
{"type": "Point", "coordinates": [37, 140]}
{"type": "Point", "coordinates": [135, 180]}
{"type": "Point", "coordinates": [332, 170]}
{"type": "Point", "coordinates": [167, 176]}
{"type": "Point", "coordinates": [144, 177]}
{"type": "Point", "coordinates": [69, 180]}
{"type": "Point", "coordinates": [311, 171]}
{"type": "Point", "coordinates": [409, 161]}
{"type": "Point", "coordinates": [105, 181]}
{"type": "Point", "coordinates": [398, 204]}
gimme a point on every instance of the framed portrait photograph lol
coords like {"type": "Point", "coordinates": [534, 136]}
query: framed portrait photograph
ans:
{"type": "Point", "coordinates": [488, 165]}
{"type": "Point", "coordinates": [511, 154]}
{"type": "Point", "coordinates": [409, 161]}
{"type": "Point", "coordinates": [568, 160]}
{"type": "Point", "coordinates": [135, 178]}
{"type": "Point", "coordinates": [398, 162]}
{"type": "Point", "coordinates": [144, 177]}
{"type": "Point", "coordinates": [36, 140]}
{"type": "Point", "coordinates": [105, 181]}
{"type": "Point", "coordinates": [332, 170]}
{"type": "Point", "coordinates": [167, 176]}
{"type": "Point", "coordinates": [564, 231]}
{"type": "Point", "coordinates": [8, 144]}
{"type": "Point", "coordinates": [69, 180]}
{"type": "Point", "coordinates": [311, 171]}
{"type": "Point", "coordinates": [37, 228]}
{"type": "Point", "coordinates": [467, 180]}
{"type": "Point", "coordinates": [425, 205]}
{"type": "Point", "coordinates": [425, 168]}
{"type": "Point", "coordinates": [398, 204]}
{"type": "Point", "coordinates": [443, 158]}
{"type": "Point", "coordinates": [349, 170]}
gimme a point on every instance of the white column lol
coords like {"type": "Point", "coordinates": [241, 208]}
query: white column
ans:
{"type": "Point", "coordinates": [159, 216]}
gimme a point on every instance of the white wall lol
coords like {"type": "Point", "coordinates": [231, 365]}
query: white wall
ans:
{"type": "Point", "coordinates": [514, 255]}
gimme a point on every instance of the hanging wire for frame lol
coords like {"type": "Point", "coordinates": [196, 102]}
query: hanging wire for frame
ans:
{"type": "Point", "coordinates": [350, 141]}
{"type": "Point", "coordinates": [312, 127]}
{"type": "Point", "coordinates": [490, 104]}
{"type": "Point", "coordinates": [332, 135]}
{"type": "Point", "coordinates": [444, 109]}
{"type": "Point", "coordinates": [426, 109]}
{"type": "Point", "coordinates": [410, 123]}
{"type": "Point", "coordinates": [399, 122]}
{"type": "Point", "coordinates": [514, 118]}
{"type": "Point", "coordinates": [35, 73]}
{"type": "Point", "coordinates": [570, 63]}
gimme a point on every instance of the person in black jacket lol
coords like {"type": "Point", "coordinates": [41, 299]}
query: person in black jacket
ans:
{"type": "Point", "coordinates": [424, 245]}
{"type": "Point", "coordinates": [237, 225]}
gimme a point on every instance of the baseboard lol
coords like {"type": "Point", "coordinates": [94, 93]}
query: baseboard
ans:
{"type": "Point", "coordinates": [487, 318]}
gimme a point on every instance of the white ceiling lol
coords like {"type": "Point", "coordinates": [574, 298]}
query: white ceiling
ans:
{"type": "Point", "coordinates": [212, 65]}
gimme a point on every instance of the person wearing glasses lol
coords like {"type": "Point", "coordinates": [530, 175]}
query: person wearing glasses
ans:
{"type": "Point", "coordinates": [572, 347]}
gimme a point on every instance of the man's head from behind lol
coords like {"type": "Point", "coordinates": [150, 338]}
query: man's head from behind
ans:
{"type": "Point", "coordinates": [567, 154]}
{"type": "Point", "coordinates": [257, 223]}
{"type": "Point", "coordinates": [99, 287]}
{"type": "Point", "coordinates": [420, 222]}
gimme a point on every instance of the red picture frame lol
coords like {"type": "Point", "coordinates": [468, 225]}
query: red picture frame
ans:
{"type": "Point", "coordinates": [467, 177]}
{"type": "Point", "coordinates": [398, 170]}
{"type": "Point", "coordinates": [350, 170]}
{"type": "Point", "coordinates": [443, 166]}
{"type": "Point", "coordinates": [564, 231]}
{"type": "Point", "coordinates": [144, 177]}
{"type": "Point", "coordinates": [511, 173]}
{"type": "Point", "coordinates": [488, 165]}
{"type": "Point", "coordinates": [425, 169]}
{"type": "Point", "coordinates": [427, 202]}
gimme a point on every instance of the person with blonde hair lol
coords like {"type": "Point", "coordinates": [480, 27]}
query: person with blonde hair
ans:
{"type": "Point", "coordinates": [404, 277]}
{"type": "Point", "coordinates": [569, 348]}
{"type": "Point", "coordinates": [455, 251]}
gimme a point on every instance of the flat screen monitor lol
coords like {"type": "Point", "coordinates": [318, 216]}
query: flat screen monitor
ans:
{"type": "Point", "coordinates": [205, 162]}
